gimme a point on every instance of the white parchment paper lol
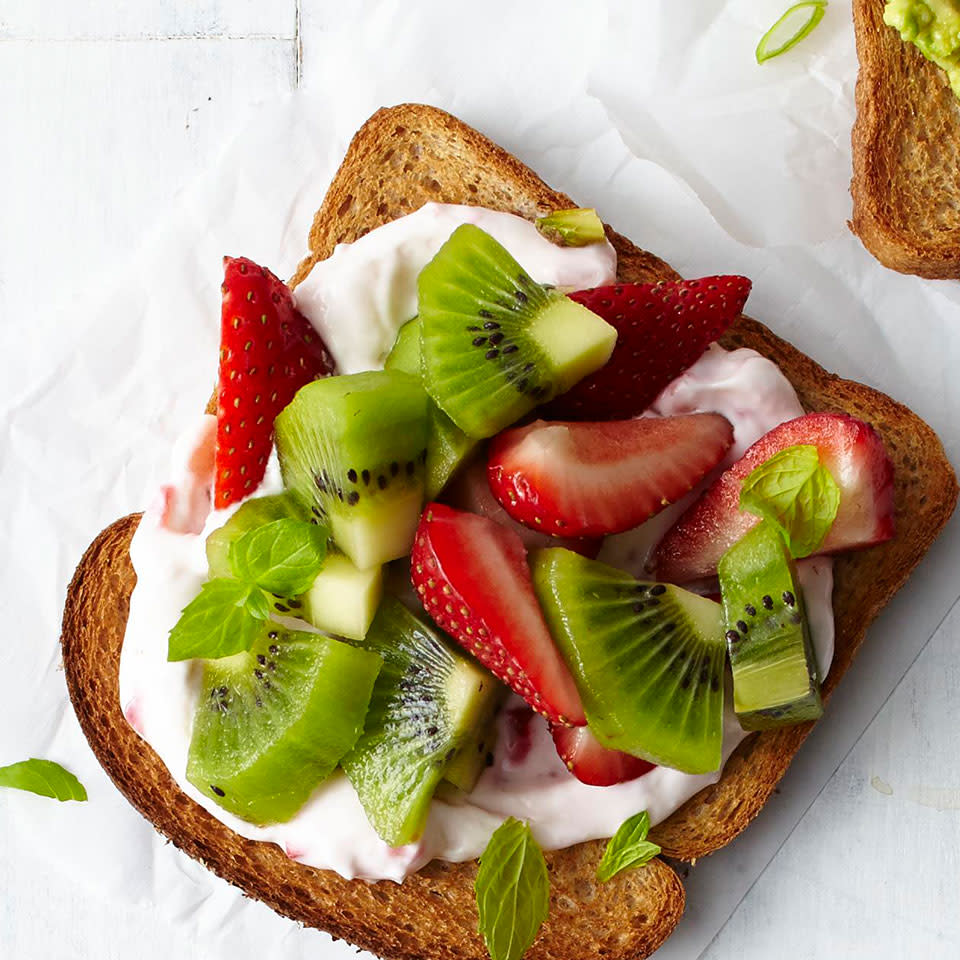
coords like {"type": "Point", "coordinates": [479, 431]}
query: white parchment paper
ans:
{"type": "Point", "coordinates": [654, 112]}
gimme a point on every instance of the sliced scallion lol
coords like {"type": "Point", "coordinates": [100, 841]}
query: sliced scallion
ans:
{"type": "Point", "coordinates": [795, 24]}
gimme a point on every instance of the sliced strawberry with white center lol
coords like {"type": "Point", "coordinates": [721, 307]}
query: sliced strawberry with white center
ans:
{"type": "Point", "coordinates": [591, 479]}
{"type": "Point", "coordinates": [592, 763]}
{"type": "Point", "coordinates": [849, 448]}
{"type": "Point", "coordinates": [662, 329]}
{"type": "Point", "coordinates": [470, 491]}
{"type": "Point", "coordinates": [472, 578]}
{"type": "Point", "coordinates": [268, 350]}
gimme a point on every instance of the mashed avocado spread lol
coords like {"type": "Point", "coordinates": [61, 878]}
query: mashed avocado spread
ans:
{"type": "Point", "coordinates": [934, 26]}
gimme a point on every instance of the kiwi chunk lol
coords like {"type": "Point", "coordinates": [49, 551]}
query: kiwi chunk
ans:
{"type": "Point", "coordinates": [426, 703]}
{"type": "Point", "coordinates": [648, 658]}
{"type": "Point", "coordinates": [473, 757]}
{"type": "Point", "coordinates": [274, 722]}
{"type": "Point", "coordinates": [447, 445]}
{"type": "Point", "coordinates": [343, 598]}
{"type": "Point", "coordinates": [352, 451]}
{"type": "Point", "coordinates": [775, 676]}
{"type": "Point", "coordinates": [495, 344]}
{"type": "Point", "coordinates": [251, 514]}
{"type": "Point", "coordinates": [404, 355]}
{"type": "Point", "coordinates": [572, 228]}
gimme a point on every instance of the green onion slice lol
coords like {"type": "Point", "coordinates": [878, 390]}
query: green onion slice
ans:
{"type": "Point", "coordinates": [790, 29]}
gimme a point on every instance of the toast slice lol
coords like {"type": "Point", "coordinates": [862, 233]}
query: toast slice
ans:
{"type": "Point", "coordinates": [402, 157]}
{"type": "Point", "coordinates": [906, 153]}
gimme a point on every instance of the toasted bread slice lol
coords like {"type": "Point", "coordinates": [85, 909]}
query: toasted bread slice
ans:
{"type": "Point", "coordinates": [906, 153]}
{"type": "Point", "coordinates": [402, 157]}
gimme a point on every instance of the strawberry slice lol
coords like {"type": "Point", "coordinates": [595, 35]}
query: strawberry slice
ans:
{"type": "Point", "coordinates": [849, 448]}
{"type": "Point", "coordinates": [470, 491]}
{"type": "Point", "coordinates": [472, 578]}
{"type": "Point", "coordinates": [592, 763]}
{"type": "Point", "coordinates": [662, 329]}
{"type": "Point", "coordinates": [591, 479]}
{"type": "Point", "coordinates": [268, 350]}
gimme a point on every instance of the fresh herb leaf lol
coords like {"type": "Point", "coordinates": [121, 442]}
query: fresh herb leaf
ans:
{"type": "Point", "coordinates": [283, 557]}
{"type": "Point", "coordinates": [258, 604]}
{"type": "Point", "coordinates": [216, 623]}
{"type": "Point", "coordinates": [797, 494]}
{"type": "Point", "coordinates": [796, 23]}
{"type": "Point", "coordinates": [43, 777]}
{"type": "Point", "coordinates": [628, 847]}
{"type": "Point", "coordinates": [513, 890]}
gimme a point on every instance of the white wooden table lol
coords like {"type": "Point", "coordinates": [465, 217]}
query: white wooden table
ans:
{"type": "Point", "coordinates": [107, 109]}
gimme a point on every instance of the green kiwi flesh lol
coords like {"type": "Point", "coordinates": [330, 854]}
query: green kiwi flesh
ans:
{"type": "Point", "coordinates": [447, 445]}
{"type": "Point", "coordinates": [343, 599]}
{"type": "Point", "coordinates": [473, 757]}
{"type": "Point", "coordinates": [775, 675]}
{"type": "Point", "coordinates": [428, 700]}
{"type": "Point", "coordinates": [578, 227]}
{"type": "Point", "coordinates": [495, 344]}
{"type": "Point", "coordinates": [272, 723]}
{"type": "Point", "coordinates": [648, 658]}
{"type": "Point", "coordinates": [352, 451]}
{"type": "Point", "coordinates": [251, 514]}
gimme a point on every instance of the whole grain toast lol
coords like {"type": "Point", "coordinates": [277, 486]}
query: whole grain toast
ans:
{"type": "Point", "coordinates": [402, 157]}
{"type": "Point", "coordinates": [906, 153]}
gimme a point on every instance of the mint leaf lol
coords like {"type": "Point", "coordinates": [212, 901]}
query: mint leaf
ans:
{"type": "Point", "coordinates": [216, 623]}
{"type": "Point", "coordinates": [628, 847]}
{"type": "Point", "coordinates": [43, 777]}
{"type": "Point", "coordinates": [797, 494]}
{"type": "Point", "coordinates": [512, 889]}
{"type": "Point", "coordinates": [258, 605]}
{"type": "Point", "coordinates": [283, 557]}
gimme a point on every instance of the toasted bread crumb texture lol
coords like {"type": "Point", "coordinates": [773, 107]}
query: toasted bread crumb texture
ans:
{"type": "Point", "coordinates": [906, 153]}
{"type": "Point", "coordinates": [403, 157]}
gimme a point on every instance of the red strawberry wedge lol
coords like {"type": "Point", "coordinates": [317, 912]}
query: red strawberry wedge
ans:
{"type": "Point", "coordinates": [592, 763]}
{"type": "Point", "coordinates": [591, 479]}
{"type": "Point", "coordinates": [268, 350]}
{"type": "Point", "coordinates": [472, 578]}
{"type": "Point", "coordinates": [849, 448]}
{"type": "Point", "coordinates": [662, 329]}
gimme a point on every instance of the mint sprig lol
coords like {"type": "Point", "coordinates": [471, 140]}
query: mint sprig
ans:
{"type": "Point", "coordinates": [218, 622]}
{"type": "Point", "coordinates": [512, 890]}
{"type": "Point", "coordinates": [628, 847]}
{"type": "Point", "coordinates": [43, 777]}
{"type": "Point", "coordinates": [797, 494]}
{"type": "Point", "coordinates": [282, 557]}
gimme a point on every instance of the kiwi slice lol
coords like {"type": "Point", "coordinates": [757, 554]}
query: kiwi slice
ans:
{"type": "Point", "coordinates": [274, 722]}
{"type": "Point", "coordinates": [352, 451]}
{"type": "Point", "coordinates": [473, 757]}
{"type": "Point", "coordinates": [343, 598]}
{"type": "Point", "coordinates": [447, 445]}
{"type": "Point", "coordinates": [495, 344]}
{"type": "Point", "coordinates": [404, 355]}
{"type": "Point", "coordinates": [775, 676]}
{"type": "Point", "coordinates": [426, 703]}
{"type": "Point", "coordinates": [572, 228]}
{"type": "Point", "coordinates": [251, 514]}
{"type": "Point", "coordinates": [648, 658]}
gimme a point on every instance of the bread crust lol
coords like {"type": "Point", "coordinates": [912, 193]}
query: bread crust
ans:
{"type": "Point", "coordinates": [402, 157]}
{"type": "Point", "coordinates": [906, 144]}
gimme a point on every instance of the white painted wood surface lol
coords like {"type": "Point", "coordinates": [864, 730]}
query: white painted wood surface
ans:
{"type": "Point", "coordinates": [107, 109]}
